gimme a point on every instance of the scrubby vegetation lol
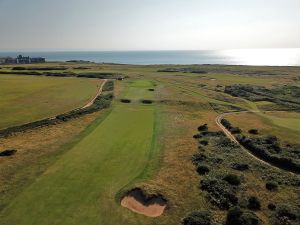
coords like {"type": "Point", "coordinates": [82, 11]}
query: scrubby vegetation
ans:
{"type": "Point", "coordinates": [108, 86]}
{"type": "Point", "coordinates": [253, 203]}
{"type": "Point", "coordinates": [99, 75]}
{"type": "Point", "coordinates": [240, 166]}
{"type": "Point", "coordinates": [146, 101]}
{"type": "Point", "coordinates": [221, 193]}
{"type": "Point", "coordinates": [8, 152]}
{"type": "Point", "coordinates": [124, 100]}
{"type": "Point", "coordinates": [271, 186]}
{"type": "Point", "coordinates": [237, 216]}
{"type": "Point", "coordinates": [233, 130]}
{"type": "Point", "coordinates": [101, 102]}
{"type": "Point", "coordinates": [222, 179]}
{"type": "Point", "coordinates": [286, 95]}
{"type": "Point", "coordinates": [269, 149]}
{"type": "Point", "coordinates": [232, 179]}
{"type": "Point", "coordinates": [286, 215]}
{"type": "Point", "coordinates": [39, 68]}
{"type": "Point", "coordinates": [198, 218]}
{"type": "Point", "coordinates": [183, 70]}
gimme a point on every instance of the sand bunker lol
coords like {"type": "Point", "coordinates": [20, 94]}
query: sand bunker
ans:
{"type": "Point", "coordinates": [137, 201]}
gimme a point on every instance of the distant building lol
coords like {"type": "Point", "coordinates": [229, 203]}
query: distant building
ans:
{"type": "Point", "coordinates": [38, 60]}
{"type": "Point", "coordinates": [22, 60]}
{"type": "Point", "coordinates": [2, 60]}
{"type": "Point", "coordinates": [10, 60]}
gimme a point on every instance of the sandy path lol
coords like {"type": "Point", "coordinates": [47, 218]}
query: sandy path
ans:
{"type": "Point", "coordinates": [98, 93]}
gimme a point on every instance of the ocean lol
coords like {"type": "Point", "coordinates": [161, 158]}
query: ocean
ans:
{"type": "Point", "coordinates": [267, 57]}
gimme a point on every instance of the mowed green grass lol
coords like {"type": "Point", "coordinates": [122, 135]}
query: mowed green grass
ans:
{"type": "Point", "coordinates": [29, 98]}
{"type": "Point", "coordinates": [291, 123]}
{"type": "Point", "coordinates": [81, 187]}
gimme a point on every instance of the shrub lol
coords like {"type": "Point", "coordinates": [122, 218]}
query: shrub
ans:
{"type": "Point", "coordinates": [108, 86]}
{"type": "Point", "coordinates": [197, 218]}
{"type": "Point", "coordinates": [147, 101]}
{"type": "Point", "coordinates": [253, 203]}
{"type": "Point", "coordinates": [203, 127]}
{"type": "Point", "coordinates": [240, 166]}
{"type": "Point", "coordinates": [8, 152]}
{"type": "Point", "coordinates": [199, 157]}
{"type": "Point", "coordinates": [271, 185]}
{"type": "Point", "coordinates": [235, 130]}
{"type": "Point", "coordinates": [220, 193]}
{"type": "Point", "coordinates": [271, 206]}
{"type": "Point", "coordinates": [237, 216]}
{"type": "Point", "coordinates": [125, 100]}
{"type": "Point", "coordinates": [253, 131]}
{"type": "Point", "coordinates": [150, 89]}
{"type": "Point", "coordinates": [202, 169]}
{"type": "Point", "coordinates": [204, 142]}
{"type": "Point", "coordinates": [285, 214]}
{"type": "Point", "coordinates": [226, 123]}
{"type": "Point", "coordinates": [232, 179]}
{"type": "Point", "coordinates": [267, 149]}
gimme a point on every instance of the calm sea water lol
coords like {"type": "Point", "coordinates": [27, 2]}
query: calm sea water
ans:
{"type": "Point", "coordinates": [269, 57]}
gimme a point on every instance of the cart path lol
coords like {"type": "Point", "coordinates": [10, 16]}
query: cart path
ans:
{"type": "Point", "coordinates": [97, 94]}
{"type": "Point", "coordinates": [233, 139]}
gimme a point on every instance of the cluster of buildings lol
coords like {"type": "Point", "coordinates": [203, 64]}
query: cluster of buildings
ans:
{"type": "Point", "coordinates": [22, 60]}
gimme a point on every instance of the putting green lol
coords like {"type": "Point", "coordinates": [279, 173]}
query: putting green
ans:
{"type": "Point", "coordinates": [80, 188]}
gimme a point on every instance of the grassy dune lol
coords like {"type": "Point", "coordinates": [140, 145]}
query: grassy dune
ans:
{"type": "Point", "coordinates": [80, 187]}
{"type": "Point", "coordinates": [29, 98]}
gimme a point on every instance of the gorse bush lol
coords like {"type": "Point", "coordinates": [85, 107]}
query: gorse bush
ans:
{"type": "Point", "coordinates": [202, 169]}
{"type": "Point", "coordinates": [286, 215]}
{"type": "Point", "coordinates": [271, 185]}
{"type": "Point", "coordinates": [220, 192]}
{"type": "Point", "coordinates": [253, 131]}
{"type": "Point", "coordinates": [232, 179]}
{"type": "Point", "coordinates": [108, 86]}
{"type": "Point", "coordinates": [125, 100]}
{"type": "Point", "coordinates": [8, 152]}
{"type": "Point", "coordinates": [240, 166]}
{"type": "Point", "coordinates": [253, 203]}
{"type": "Point", "coordinates": [268, 149]}
{"type": "Point", "coordinates": [271, 206]}
{"type": "Point", "coordinates": [227, 124]}
{"type": "Point", "coordinates": [197, 218]}
{"type": "Point", "coordinates": [203, 127]}
{"type": "Point", "coordinates": [237, 216]}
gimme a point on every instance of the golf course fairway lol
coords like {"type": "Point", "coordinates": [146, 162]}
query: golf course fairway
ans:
{"type": "Point", "coordinates": [80, 188]}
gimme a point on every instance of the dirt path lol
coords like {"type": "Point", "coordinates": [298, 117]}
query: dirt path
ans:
{"type": "Point", "coordinates": [233, 139]}
{"type": "Point", "coordinates": [98, 93]}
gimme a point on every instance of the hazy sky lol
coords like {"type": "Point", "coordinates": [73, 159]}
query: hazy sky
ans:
{"type": "Point", "coordinates": [148, 24]}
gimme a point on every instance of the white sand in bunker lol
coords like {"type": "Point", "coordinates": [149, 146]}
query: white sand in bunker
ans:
{"type": "Point", "coordinates": [136, 201]}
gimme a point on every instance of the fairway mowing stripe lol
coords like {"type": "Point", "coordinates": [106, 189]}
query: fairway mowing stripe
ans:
{"type": "Point", "coordinates": [80, 187]}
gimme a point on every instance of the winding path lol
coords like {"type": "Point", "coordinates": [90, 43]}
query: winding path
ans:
{"type": "Point", "coordinates": [98, 93]}
{"type": "Point", "coordinates": [233, 139]}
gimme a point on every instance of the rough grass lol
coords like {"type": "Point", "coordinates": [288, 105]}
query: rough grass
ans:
{"type": "Point", "coordinates": [29, 98]}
